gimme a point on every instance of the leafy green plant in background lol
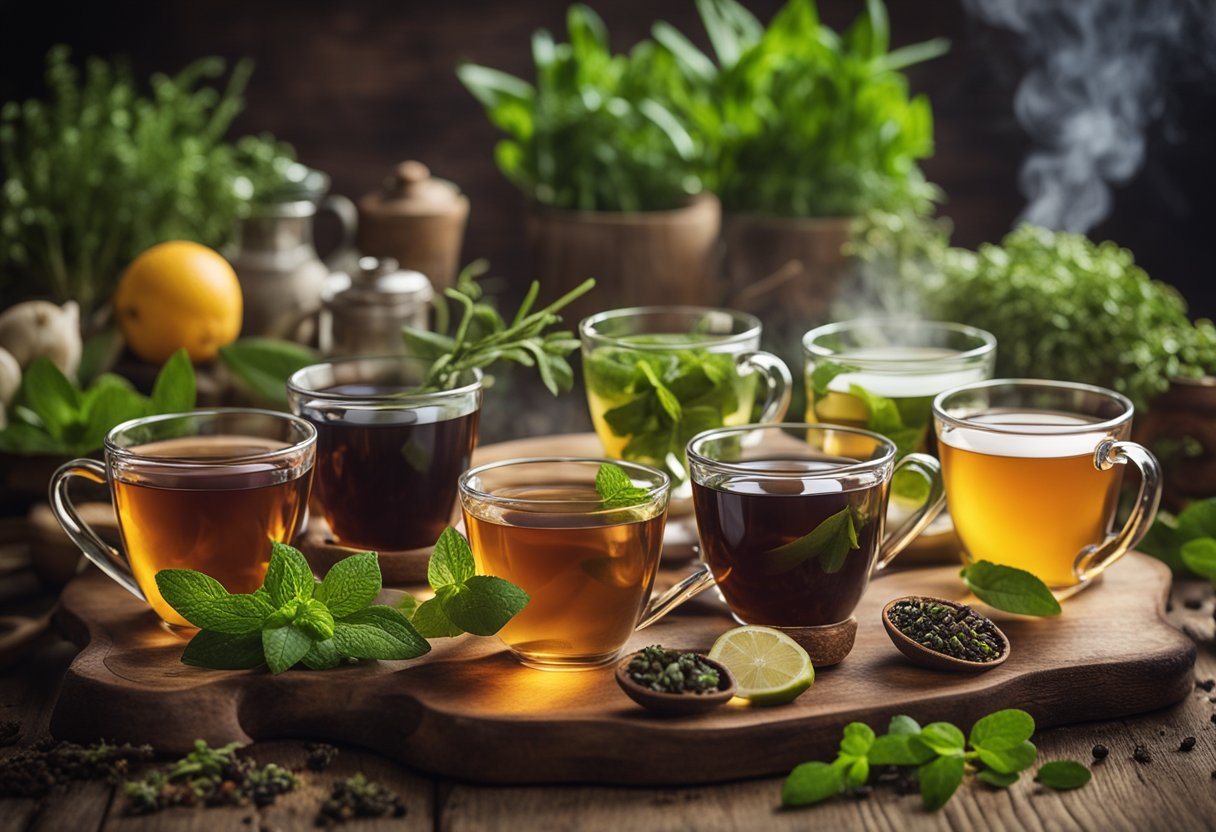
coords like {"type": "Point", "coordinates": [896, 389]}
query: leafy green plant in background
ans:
{"type": "Point", "coordinates": [51, 414]}
{"type": "Point", "coordinates": [262, 366]}
{"type": "Point", "coordinates": [589, 135]}
{"type": "Point", "coordinates": [797, 119]}
{"type": "Point", "coordinates": [101, 171]}
{"type": "Point", "coordinates": [1065, 308]}
{"type": "Point", "coordinates": [1186, 543]}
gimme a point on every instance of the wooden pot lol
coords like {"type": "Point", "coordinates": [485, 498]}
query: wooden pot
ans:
{"type": "Point", "coordinates": [637, 259]}
{"type": "Point", "coordinates": [1181, 428]}
{"type": "Point", "coordinates": [787, 270]}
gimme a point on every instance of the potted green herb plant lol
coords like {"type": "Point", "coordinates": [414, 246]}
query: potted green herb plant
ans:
{"type": "Point", "coordinates": [804, 130]}
{"type": "Point", "coordinates": [608, 171]}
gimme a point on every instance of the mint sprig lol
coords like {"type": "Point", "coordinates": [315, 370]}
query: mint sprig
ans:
{"type": "Point", "coordinates": [464, 601]}
{"type": "Point", "coordinates": [997, 750]}
{"type": "Point", "coordinates": [1009, 589]}
{"type": "Point", "coordinates": [615, 488]}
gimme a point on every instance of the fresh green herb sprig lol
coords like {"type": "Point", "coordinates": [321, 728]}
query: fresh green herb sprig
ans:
{"type": "Point", "coordinates": [208, 777]}
{"type": "Point", "coordinates": [483, 337]}
{"type": "Point", "coordinates": [464, 601]}
{"type": "Point", "coordinates": [670, 671]}
{"type": "Point", "coordinates": [1009, 589]}
{"type": "Point", "coordinates": [52, 415]}
{"type": "Point", "coordinates": [1186, 543]}
{"type": "Point", "coordinates": [616, 489]}
{"type": "Point", "coordinates": [1000, 749]}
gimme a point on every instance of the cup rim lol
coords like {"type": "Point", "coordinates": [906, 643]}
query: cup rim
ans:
{"type": "Point", "coordinates": [752, 324]}
{"type": "Point", "coordinates": [986, 347]}
{"type": "Point", "coordinates": [694, 455]}
{"type": "Point", "coordinates": [310, 437]}
{"type": "Point", "coordinates": [296, 386]}
{"type": "Point", "coordinates": [940, 414]}
{"type": "Point", "coordinates": [653, 493]}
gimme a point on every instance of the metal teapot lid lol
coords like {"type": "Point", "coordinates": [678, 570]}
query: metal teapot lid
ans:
{"type": "Point", "coordinates": [380, 281]}
{"type": "Point", "coordinates": [412, 191]}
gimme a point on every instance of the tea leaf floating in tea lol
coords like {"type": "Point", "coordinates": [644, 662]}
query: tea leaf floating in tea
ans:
{"type": "Point", "coordinates": [830, 541]}
{"type": "Point", "coordinates": [1010, 589]}
{"type": "Point", "coordinates": [616, 489]}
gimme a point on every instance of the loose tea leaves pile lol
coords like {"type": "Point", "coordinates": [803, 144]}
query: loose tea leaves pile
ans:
{"type": "Point", "coordinates": [670, 671]}
{"type": "Point", "coordinates": [953, 631]}
{"type": "Point", "coordinates": [208, 777]}
{"type": "Point", "coordinates": [358, 797]}
{"type": "Point", "coordinates": [35, 771]}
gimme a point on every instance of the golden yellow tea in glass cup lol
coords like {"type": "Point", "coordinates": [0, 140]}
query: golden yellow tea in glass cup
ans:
{"type": "Point", "coordinates": [1032, 471]}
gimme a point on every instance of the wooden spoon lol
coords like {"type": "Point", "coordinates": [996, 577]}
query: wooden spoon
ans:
{"type": "Point", "coordinates": [677, 704]}
{"type": "Point", "coordinates": [923, 656]}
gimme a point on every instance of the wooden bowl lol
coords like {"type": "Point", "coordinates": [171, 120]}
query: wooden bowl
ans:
{"type": "Point", "coordinates": [677, 704]}
{"type": "Point", "coordinates": [923, 656]}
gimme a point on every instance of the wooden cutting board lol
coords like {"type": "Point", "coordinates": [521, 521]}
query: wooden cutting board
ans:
{"type": "Point", "coordinates": [467, 710]}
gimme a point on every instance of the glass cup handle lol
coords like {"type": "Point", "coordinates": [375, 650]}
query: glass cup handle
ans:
{"type": "Point", "coordinates": [777, 379]}
{"type": "Point", "coordinates": [898, 539]}
{"type": "Point", "coordinates": [1093, 560]}
{"type": "Point", "coordinates": [701, 579]}
{"type": "Point", "coordinates": [104, 556]}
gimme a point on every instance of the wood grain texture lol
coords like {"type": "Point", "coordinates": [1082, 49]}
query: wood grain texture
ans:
{"type": "Point", "coordinates": [468, 710]}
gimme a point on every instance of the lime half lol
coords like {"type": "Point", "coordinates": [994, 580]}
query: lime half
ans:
{"type": "Point", "coordinates": [770, 667]}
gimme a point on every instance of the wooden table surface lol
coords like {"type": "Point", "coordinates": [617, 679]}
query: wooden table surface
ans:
{"type": "Point", "coordinates": [1176, 791]}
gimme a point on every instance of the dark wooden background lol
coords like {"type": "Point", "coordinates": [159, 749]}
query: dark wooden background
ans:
{"type": "Point", "coordinates": [357, 86]}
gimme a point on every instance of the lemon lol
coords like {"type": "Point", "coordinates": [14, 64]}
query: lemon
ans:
{"type": "Point", "coordinates": [769, 666]}
{"type": "Point", "coordinates": [178, 294]}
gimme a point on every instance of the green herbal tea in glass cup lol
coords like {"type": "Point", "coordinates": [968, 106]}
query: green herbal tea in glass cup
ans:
{"type": "Point", "coordinates": [657, 376]}
{"type": "Point", "coordinates": [881, 374]}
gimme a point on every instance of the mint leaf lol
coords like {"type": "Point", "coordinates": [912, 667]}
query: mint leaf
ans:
{"type": "Point", "coordinates": [944, 738]}
{"type": "Point", "coordinates": [996, 779]}
{"type": "Point", "coordinates": [1198, 519]}
{"type": "Point", "coordinates": [1009, 760]}
{"type": "Point", "coordinates": [858, 737]}
{"type": "Point", "coordinates": [431, 621]}
{"type": "Point", "coordinates": [939, 780]}
{"type": "Point", "coordinates": [224, 651]}
{"type": "Point", "coordinates": [1199, 555]}
{"type": "Point", "coordinates": [378, 632]}
{"type": "Point", "coordinates": [451, 560]}
{"type": "Point", "coordinates": [263, 365]}
{"type": "Point", "coordinates": [667, 399]}
{"type": "Point", "coordinates": [858, 771]}
{"type": "Point", "coordinates": [483, 604]}
{"type": "Point", "coordinates": [322, 655]}
{"type": "Point", "coordinates": [289, 577]}
{"type": "Point", "coordinates": [284, 646]}
{"type": "Point", "coordinates": [51, 396]}
{"type": "Point", "coordinates": [1010, 589]}
{"type": "Point", "coordinates": [823, 374]}
{"type": "Point", "coordinates": [174, 390]}
{"type": "Point", "coordinates": [1002, 730]}
{"type": "Point", "coordinates": [351, 584]}
{"type": "Point", "coordinates": [203, 601]}
{"type": "Point", "coordinates": [902, 725]}
{"type": "Point", "coordinates": [314, 618]}
{"type": "Point", "coordinates": [811, 783]}
{"type": "Point", "coordinates": [899, 750]}
{"type": "Point", "coordinates": [830, 541]}
{"type": "Point", "coordinates": [407, 604]}
{"type": "Point", "coordinates": [1063, 775]}
{"type": "Point", "coordinates": [616, 489]}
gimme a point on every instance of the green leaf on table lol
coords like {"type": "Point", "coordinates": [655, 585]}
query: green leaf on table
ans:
{"type": "Point", "coordinates": [1199, 555]}
{"type": "Point", "coordinates": [811, 783]}
{"type": "Point", "coordinates": [263, 365]}
{"type": "Point", "coordinates": [322, 655]}
{"type": "Point", "coordinates": [224, 651]}
{"type": "Point", "coordinates": [858, 737]}
{"type": "Point", "coordinates": [830, 542]}
{"type": "Point", "coordinates": [996, 779]}
{"type": "Point", "coordinates": [483, 604]}
{"type": "Point", "coordinates": [1009, 760]}
{"type": "Point", "coordinates": [903, 725]}
{"type": "Point", "coordinates": [451, 560]}
{"type": "Point", "coordinates": [351, 584]}
{"type": "Point", "coordinates": [893, 749]}
{"type": "Point", "coordinates": [288, 577]}
{"type": "Point", "coordinates": [1063, 775]}
{"type": "Point", "coordinates": [823, 374]}
{"type": "Point", "coordinates": [284, 647]}
{"type": "Point", "coordinates": [203, 601]}
{"type": "Point", "coordinates": [857, 771]}
{"type": "Point", "coordinates": [939, 780]}
{"type": "Point", "coordinates": [1010, 589]}
{"type": "Point", "coordinates": [943, 738]}
{"type": "Point", "coordinates": [1002, 730]}
{"type": "Point", "coordinates": [314, 618]}
{"type": "Point", "coordinates": [407, 604]}
{"type": "Point", "coordinates": [378, 632]}
{"type": "Point", "coordinates": [615, 488]}
{"type": "Point", "coordinates": [174, 390]}
{"type": "Point", "coordinates": [430, 620]}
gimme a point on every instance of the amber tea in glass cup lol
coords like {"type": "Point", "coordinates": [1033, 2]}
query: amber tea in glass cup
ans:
{"type": "Point", "coordinates": [388, 453]}
{"type": "Point", "coordinates": [208, 490]}
{"type": "Point", "coordinates": [1032, 471]}
{"type": "Point", "coordinates": [588, 570]}
{"type": "Point", "coordinates": [790, 528]}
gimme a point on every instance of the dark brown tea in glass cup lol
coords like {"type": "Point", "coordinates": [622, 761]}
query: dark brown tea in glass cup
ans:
{"type": "Point", "coordinates": [388, 457]}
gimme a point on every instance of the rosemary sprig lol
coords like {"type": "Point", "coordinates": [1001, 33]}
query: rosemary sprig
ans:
{"type": "Point", "coordinates": [483, 337]}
